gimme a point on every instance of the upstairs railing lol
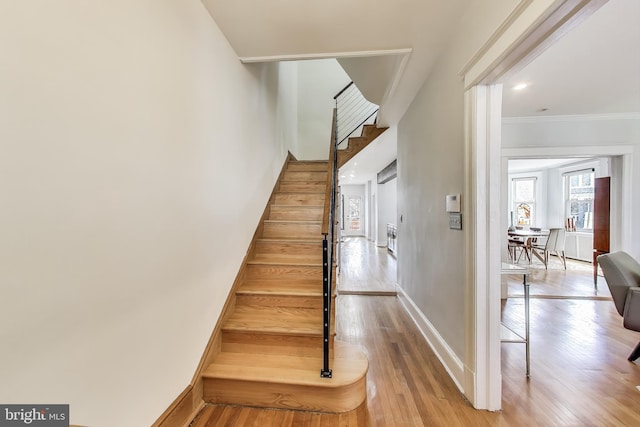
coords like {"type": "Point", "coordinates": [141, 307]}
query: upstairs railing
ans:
{"type": "Point", "coordinates": [351, 113]}
{"type": "Point", "coordinates": [354, 111]}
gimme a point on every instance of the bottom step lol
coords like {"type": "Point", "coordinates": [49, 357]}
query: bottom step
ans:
{"type": "Point", "coordinates": [288, 382]}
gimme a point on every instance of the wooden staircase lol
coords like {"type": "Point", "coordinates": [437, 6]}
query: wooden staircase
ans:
{"type": "Point", "coordinates": [358, 143]}
{"type": "Point", "coordinates": [270, 345]}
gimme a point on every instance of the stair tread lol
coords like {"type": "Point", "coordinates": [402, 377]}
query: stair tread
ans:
{"type": "Point", "coordinates": [275, 320]}
{"type": "Point", "coordinates": [307, 161]}
{"type": "Point", "coordinates": [294, 221]}
{"type": "Point", "coordinates": [285, 259]}
{"type": "Point", "coordinates": [306, 181]}
{"type": "Point", "coordinates": [285, 198]}
{"type": "Point", "coordinates": [295, 207]}
{"type": "Point", "coordinates": [348, 364]}
{"type": "Point", "coordinates": [292, 240]}
{"type": "Point", "coordinates": [297, 194]}
{"type": "Point", "coordinates": [274, 281]}
{"type": "Point", "coordinates": [282, 287]}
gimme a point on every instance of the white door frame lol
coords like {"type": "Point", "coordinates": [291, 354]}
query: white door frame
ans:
{"type": "Point", "coordinates": [531, 28]}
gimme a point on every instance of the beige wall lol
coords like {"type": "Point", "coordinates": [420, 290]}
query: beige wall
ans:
{"type": "Point", "coordinates": [137, 154]}
{"type": "Point", "coordinates": [430, 166]}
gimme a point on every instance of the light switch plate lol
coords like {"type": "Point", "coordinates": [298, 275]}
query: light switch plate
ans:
{"type": "Point", "coordinates": [453, 203]}
{"type": "Point", "coordinates": [455, 221]}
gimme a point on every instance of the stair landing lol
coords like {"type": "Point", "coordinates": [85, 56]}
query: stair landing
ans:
{"type": "Point", "coordinates": [290, 382]}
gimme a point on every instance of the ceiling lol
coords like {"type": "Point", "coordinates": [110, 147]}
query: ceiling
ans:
{"type": "Point", "coordinates": [376, 40]}
{"type": "Point", "coordinates": [594, 69]}
{"type": "Point", "coordinates": [377, 155]}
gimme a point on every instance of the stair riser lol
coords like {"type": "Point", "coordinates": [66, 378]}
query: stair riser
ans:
{"type": "Point", "coordinates": [308, 167]}
{"type": "Point", "coordinates": [284, 396]}
{"type": "Point", "coordinates": [372, 132]}
{"type": "Point", "coordinates": [292, 230]}
{"type": "Point", "coordinates": [302, 187]}
{"type": "Point", "coordinates": [235, 342]}
{"type": "Point", "coordinates": [284, 272]}
{"type": "Point", "coordinates": [305, 176]}
{"type": "Point", "coordinates": [279, 301]}
{"type": "Point", "coordinates": [307, 250]}
{"type": "Point", "coordinates": [296, 213]}
{"type": "Point", "coordinates": [299, 199]}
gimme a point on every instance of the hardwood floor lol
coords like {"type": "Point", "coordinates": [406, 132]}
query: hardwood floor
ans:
{"type": "Point", "coordinates": [576, 282]}
{"type": "Point", "coordinates": [580, 375]}
{"type": "Point", "coordinates": [366, 269]}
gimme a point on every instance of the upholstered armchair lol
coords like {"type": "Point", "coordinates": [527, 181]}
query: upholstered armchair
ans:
{"type": "Point", "coordinates": [622, 273]}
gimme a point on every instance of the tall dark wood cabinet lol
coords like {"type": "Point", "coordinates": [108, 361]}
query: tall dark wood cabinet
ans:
{"type": "Point", "coordinates": [601, 221]}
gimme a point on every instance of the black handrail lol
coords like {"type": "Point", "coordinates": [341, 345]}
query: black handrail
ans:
{"type": "Point", "coordinates": [359, 112]}
{"type": "Point", "coordinates": [328, 246]}
{"type": "Point", "coordinates": [343, 89]}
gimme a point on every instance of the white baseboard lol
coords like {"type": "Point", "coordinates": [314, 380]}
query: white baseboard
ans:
{"type": "Point", "coordinates": [445, 354]}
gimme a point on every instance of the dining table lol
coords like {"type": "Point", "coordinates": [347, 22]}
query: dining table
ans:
{"type": "Point", "coordinates": [529, 237]}
{"type": "Point", "coordinates": [507, 334]}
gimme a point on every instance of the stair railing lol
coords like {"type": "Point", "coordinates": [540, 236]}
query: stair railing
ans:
{"type": "Point", "coordinates": [354, 111]}
{"type": "Point", "coordinates": [328, 246]}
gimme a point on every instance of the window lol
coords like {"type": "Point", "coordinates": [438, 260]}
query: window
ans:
{"type": "Point", "coordinates": [579, 192]}
{"type": "Point", "coordinates": [354, 213]}
{"type": "Point", "coordinates": [524, 200]}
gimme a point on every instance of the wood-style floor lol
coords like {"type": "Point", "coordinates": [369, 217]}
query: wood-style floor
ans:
{"type": "Point", "coordinates": [366, 269]}
{"type": "Point", "coordinates": [575, 282]}
{"type": "Point", "coordinates": [580, 375]}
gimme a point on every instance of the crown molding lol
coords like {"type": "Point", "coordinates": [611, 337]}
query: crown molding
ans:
{"type": "Point", "coordinates": [532, 26]}
{"type": "Point", "coordinates": [571, 118]}
{"type": "Point", "coordinates": [328, 55]}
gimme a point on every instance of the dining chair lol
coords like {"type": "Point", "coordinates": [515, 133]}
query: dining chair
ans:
{"type": "Point", "coordinates": [517, 244]}
{"type": "Point", "coordinates": [554, 245]}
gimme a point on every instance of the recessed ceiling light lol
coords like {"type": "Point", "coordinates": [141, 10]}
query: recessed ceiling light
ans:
{"type": "Point", "coordinates": [520, 86]}
{"type": "Point", "coordinates": [343, 176]}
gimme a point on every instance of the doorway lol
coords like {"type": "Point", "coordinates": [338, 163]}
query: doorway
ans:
{"type": "Point", "coordinates": [502, 57]}
{"type": "Point", "coordinates": [354, 218]}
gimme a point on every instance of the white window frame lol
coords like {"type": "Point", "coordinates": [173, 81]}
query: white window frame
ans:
{"type": "Point", "coordinates": [532, 203]}
{"type": "Point", "coordinates": [567, 195]}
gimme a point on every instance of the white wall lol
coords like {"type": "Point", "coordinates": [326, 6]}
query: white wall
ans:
{"type": "Point", "coordinates": [430, 166]}
{"type": "Point", "coordinates": [585, 135]}
{"type": "Point", "coordinates": [287, 106]}
{"type": "Point", "coordinates": [137, 156]}
{"type": "Point", "coordinates": [318, 82]}
{"type": "Point", "coordinates": [387, 209]}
